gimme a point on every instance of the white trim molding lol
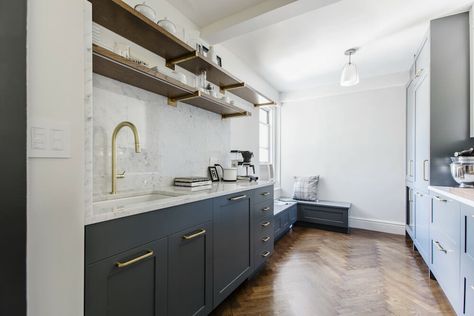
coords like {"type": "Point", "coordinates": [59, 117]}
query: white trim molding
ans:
{"type": "Point", "coordinates": [378, 225]}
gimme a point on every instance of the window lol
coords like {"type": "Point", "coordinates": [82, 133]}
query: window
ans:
{"type": "Point", "coordinates": [266, 136]}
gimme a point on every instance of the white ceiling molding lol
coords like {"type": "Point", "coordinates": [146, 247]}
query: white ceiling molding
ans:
{"type": "Point", "coordinates": [260, 16]}
{"type": "Point", "coordinates": [373, 83]}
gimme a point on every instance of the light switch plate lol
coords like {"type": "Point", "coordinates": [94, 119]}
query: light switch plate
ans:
{"type": "Point", "coordinates": [49, 139]}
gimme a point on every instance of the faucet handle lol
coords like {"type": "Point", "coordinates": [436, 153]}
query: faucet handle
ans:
{"type": "Point", "coordinates": [121, 175]}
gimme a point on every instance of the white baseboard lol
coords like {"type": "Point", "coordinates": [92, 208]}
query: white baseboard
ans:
{"type": "Point", "coordinates": [377, 225]}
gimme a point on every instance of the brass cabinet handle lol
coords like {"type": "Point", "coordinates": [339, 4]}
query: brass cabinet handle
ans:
{"type": "Point", "coordinates": [200, 232]}
{"type": "Point", "coordinates": [424, 170]}
{"type": "Point", "coordinates": [266, 254]}
{"type": "Point", "coordinates": [411, 168]}
{"type": "Point", "coordinates": [265, 209]}
{"type": "Point", "coordinates": [265, 224]}
{"type": "Point", "coordinates": [265, 239]}
{"type": "Point", "coordinates": [265, 193]}
{"type": "Point", "coordinates": [440, 199]}
{"type": "Point", "coordinates": [440, 248]}
{"type": "Point", "coordinates": [419, 72]}
{"type": "Point", "coordinates": [149, 253]}
{"type": "Point", "coordinates": [240, 197]}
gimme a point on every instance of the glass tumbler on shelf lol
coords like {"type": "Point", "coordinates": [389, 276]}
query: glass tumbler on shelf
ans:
{"type": "Point", "coordinates": [122, 49]}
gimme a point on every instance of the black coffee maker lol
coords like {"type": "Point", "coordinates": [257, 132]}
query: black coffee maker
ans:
{"type": "Point", "coordinates": [247, 164]}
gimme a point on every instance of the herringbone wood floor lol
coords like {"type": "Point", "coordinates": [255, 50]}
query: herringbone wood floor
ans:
{"type": "Point", "coordinates": [317, 273]}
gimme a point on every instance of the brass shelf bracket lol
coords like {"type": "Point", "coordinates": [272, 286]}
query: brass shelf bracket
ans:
{"type": "Point", "coordinates": [246, 113]}
{"type": "Point", "coordinates": [171, 63]}
{"type": "Point", "coordinates": [232, 86]}
{"type": "Point", "coordinates": [174, 101]}
{"type": "Point", "coordinates": [265, 104]}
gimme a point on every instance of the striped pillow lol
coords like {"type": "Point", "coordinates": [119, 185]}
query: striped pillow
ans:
{"type": "Point", "coordinates": [306, 188]}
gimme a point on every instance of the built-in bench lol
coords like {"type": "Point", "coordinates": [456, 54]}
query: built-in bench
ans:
{"type": "Point", "coordinates": [323, 214]}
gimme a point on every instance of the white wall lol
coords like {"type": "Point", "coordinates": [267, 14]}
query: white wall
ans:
{"type": "Point", "coordinates": [55, 224]}
{"type": "Point", "coordinates": [356, 143]}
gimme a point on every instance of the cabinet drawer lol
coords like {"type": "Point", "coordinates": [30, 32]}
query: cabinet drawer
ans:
{"type": "Point", "coordinates": [263, 210]}
{"type": "Point", "coordinates": [467, 288]}
{"type": "Point", "coordinates": [467, 231]}
{"type": "Point", "coordinates": [263, 194]}
{"type": "Point", "coordinates": [445, 217]}
{"type": "Point", "coordinates": [445, 266]}
{"type": "Point", "coordinates": [323, 215]}
{"type": "Point", "coordinates": [264, 227]}
{"type": "Point", "coordinates": [263, 252]}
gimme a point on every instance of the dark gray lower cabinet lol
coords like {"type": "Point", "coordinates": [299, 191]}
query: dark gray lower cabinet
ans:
{"type": "Point", "coordinates": [231, 251]}
{"type": "Point", "coordinates": [284, 220]}
{"type": "Point", "coordinates": [130, 283]}
{"type": "Point", "coordinates": [189, 271]}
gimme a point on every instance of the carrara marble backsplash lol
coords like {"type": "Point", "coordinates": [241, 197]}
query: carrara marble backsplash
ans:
{"type": "Point", "coordinates": [175, 141]}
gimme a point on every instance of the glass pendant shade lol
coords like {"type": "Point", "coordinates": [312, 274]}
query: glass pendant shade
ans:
{"type": "Point", "coordinates": [350, 75]}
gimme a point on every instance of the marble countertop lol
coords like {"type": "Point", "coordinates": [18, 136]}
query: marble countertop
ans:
{"type": "Point", "coordinates": [118, 206]}
{"type": "Point", "coordinates": [462, 195]}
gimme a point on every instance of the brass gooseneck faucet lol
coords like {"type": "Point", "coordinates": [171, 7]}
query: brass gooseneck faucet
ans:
{"type": "Point", "coordinates": [117, 129]}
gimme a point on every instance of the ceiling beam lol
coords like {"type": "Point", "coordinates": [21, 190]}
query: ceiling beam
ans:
{"type": "Point", "coordinates": [257, 17]}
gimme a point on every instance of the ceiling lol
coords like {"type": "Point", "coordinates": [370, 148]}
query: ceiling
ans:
{"type": "Point", "coordinates": [298, 45]}
{"type": "Point", "coordinates": [206, 12]}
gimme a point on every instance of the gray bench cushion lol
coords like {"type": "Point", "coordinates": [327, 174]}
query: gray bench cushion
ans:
{"type": "Point", "coordinates": [321, 203]}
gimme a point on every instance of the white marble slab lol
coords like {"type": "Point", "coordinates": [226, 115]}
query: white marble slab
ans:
{"type": "Point", "coordinates": [101, 213]}
{"type": "Point", "coordinates": [462, 195]}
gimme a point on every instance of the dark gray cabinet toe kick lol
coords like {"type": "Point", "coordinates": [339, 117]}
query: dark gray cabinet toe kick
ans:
{"type": "Point", "coordinates": [183, 260]}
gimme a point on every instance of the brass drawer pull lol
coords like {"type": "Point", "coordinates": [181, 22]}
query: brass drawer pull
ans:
{"type": "Point", "coordinates": [149, 253]}
{"type": "Point", "coordinates": [265, 239]}
{"type": "Point", "coordinates": [240, 197]}
{"type": "Point", "coordinates": [418, 73]}
{"type": "Point", "coordinates": [265, 224]}
{"type": "Point", "coordinates": [440, 248]}
{"type": "Point", "coordinates": [440, 199]}
{"type": "Point", "coordinates": [265, 209]}
{"type": "Point", "coordinates": [424, 170]}
{"type": "Point", "coordinates": [265, 254]}
{"type": "Point", "coordinates": [265, 193]}
{"type": "Point", "coordinates": [200, 232]}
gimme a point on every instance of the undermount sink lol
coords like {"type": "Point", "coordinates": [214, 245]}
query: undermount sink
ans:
{"type": "Point", "coordinates": [123, 201]}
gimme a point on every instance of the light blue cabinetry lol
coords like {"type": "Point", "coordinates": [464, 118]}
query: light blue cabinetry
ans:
{"type": "Point", "coordinates": [467, 261]}
{"type": "Point", "coordinates": [445, 235]}
{"type": "Point", "coordinates": [422, 224]}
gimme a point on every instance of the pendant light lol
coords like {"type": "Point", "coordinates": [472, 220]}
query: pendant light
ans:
{"type": "Point", "coordinates": [350, 75]}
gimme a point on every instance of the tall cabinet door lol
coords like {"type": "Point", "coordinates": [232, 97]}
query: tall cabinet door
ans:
{"type": "Point", "coordinates": [130, 283]}
{"type": "Point", "coordinates": [410, 121]}
{"type": "Point", "coordinates": [422, 133]}
{"type": "Point", "coordinates": [422, 227]}
{"type": "Point", "coordinates": [189, 271]}
{"type": "Point", "coordinates": [232, 251]}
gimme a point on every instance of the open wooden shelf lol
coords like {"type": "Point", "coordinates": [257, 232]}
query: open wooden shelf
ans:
{"type": "Point", "coordinates": [122, 19]}
{"type": "Point", "coordinates": [111, 65]}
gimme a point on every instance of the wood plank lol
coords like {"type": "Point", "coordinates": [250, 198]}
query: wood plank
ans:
{"type": "Point", "coordinates": [122, 19]}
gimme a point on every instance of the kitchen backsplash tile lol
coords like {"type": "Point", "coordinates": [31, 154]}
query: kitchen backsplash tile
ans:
{"type": "Point", "coordinates": [175, 141]}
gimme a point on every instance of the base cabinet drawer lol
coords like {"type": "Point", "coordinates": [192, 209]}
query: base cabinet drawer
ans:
{"type": "Point", "coordinates": [445, 264]}
{"type": "Point", "coordinates": [323, 215]}
{"type": "Point", "coordinates": [467, 288]}
{"type": "Point", "coordinates": [264, 251]}
{"type": "Point", "coordinates": [189, 271]}
{"type": "Point", "coordinates": [445, 217]}
{"type": "Point", "coordinates": [131, 283]}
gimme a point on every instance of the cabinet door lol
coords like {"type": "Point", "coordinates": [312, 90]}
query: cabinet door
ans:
{"type": "Point", "coordinates": [232, 250]}
{"type": "Point", "coordinates": [467, 232]}
{"type": "Point", "coordinates": [293, 214]}
{"type": "Point", "coordinates": [422, 232]}
{"type": "Point", "coordinates": [422, 133]}
{"type": "Point", "coordinates": [189, 271]}
{"type": "Point", "coordinates": [467, 289]}
{"type": "Point", "coordinates": [411, 211]}
{"type": "Point", "coordinates": [410, 141]}
{"type": "Point", "coordinates": [130, 283]}
{"type": "Point", "coordinates": [467, 259]}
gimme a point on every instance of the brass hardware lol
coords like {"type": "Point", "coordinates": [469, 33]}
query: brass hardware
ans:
{"type": "Point", "coordinates": [419, 72]}
{"type": "Point", "coordinates": [419, 194]}
{"type": "Point", "coordinates": [266, 254]}
{"type": "Point", "coordinates": [265, 104]}
{"type": "Point", "coordinates": [410, 172]}
{"type": "Point", "coordinates": [121, 175]}
{"type": "Point", "coordinates": [170, 63]}
{"type": "Point", "coordinates": [174, 100]}
{"type": "Point", "coordinates": [472, 287]}
{"type": "Point", "coordinates": [119, 264]}
{"type": "Point", "coordinates": [265, 239]}
{"type": "Point", "coordinates": [440, 248]}
{"type": "Point", "coordinates": [265, 224]}
{"type": "Point", "coordinates": [440, 199]}
{"type": "Point", "coordinates": [246, 113]}
{"type": "Point", "coordinates": [424, 170]}
{"type": "Point", "coordinates": [265, 193]}
{"type": "Point", "coordinates": [240, 197]}
{"type": "Point", "coordinates": [265, 209]}
{"type": "Point", "coordinates": [114, 151]}
{"type": "Point", "coordinates": [200, 232]}
{"type": "Point", "coordinates": [232, 86]}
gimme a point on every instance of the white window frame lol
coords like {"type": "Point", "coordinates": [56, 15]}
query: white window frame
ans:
{"type": "Point", "coordinates": [274, 142]}
{"type": "Point", "coordinates": [270, 127]}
